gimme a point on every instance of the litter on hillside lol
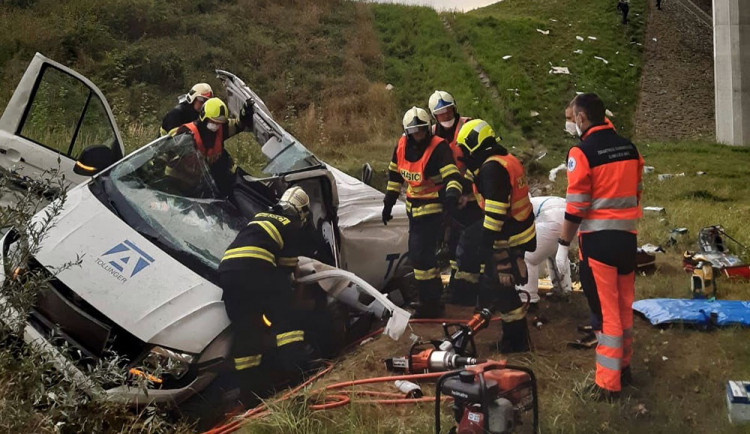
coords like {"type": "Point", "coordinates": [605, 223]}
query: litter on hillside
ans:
{"type": "Point", "coordinates": [593, 38]}
{"type": "Point", "coordinates": [648, 169]}
{"type": "Point", "coordinates": [533, 113]}
{"type": "Point", "coordinates": [652, 248]}
{"type": "Point", "coordinates": [609, 113]}
{"type": "Point", "coordinates": [654, 39]}
{"type": "Point", "coordinates": [553, 172]}
{"type": "Point", "coordinates": [578, 52]}
{"type": "Point", "coordinates": [580, 38]}
{"type": "Point", "coordinates": [664, 176]}
{"type": "Point", "coordinates": [507, 57]}
{"type": "Point", "coordinates": [544, 32]}
{"type": "Point", "coordinates": [602, 59]}
{"type": "Point", "coordinates": [559, 70]}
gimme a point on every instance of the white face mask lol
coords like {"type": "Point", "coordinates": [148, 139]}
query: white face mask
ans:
{"type": "Point", "coordinates": [448, 124]}
{"type": "Point", "coordinates": [578, 129]}
{"type": "Point", "coordinates": [213, 126]}
{"type": "Point", "coordinates": [570, 127]}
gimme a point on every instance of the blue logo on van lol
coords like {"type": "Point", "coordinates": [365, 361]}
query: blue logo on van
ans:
{"type": "Point", "coordinates": [127, 258]}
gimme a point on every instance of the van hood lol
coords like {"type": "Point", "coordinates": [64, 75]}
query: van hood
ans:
{"type": "Point", "coordinates": [130, 280]}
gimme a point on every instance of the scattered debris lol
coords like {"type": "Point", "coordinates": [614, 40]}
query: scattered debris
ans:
{"type": "Point", "coordinates": [389, 86]}
{"type": "Point", "coordinates": [507, 57]}
{"type": "Point", "coordinates": [697, 389]}
{"type": "Point", "coordinates": [664, 358]}
{"type": "Point", "coordinates": [515, 91]}
{"type": "Point", "coordinates": [700, 173]}
{"type": "Point", "coordinates": [631, 64]}
{"type": "Point", "coordinates": [533, 113]}
{"type": "Point", "coordinates": [738, 401]}
{"type": "Point", "coordinates": [651, 248]}
{"type": "Point", "coordinates": [578, 52]}
{"type": "Point", "coordinates": [553, 20]}
{"type": "Point", "coordinates": [544, 32]}
{"type": "Point", "coordinates": [580, 38]}
{"type": "Point", "coordinates": [617, 52]}
{"type": "Point", "coordinates": [553, 172]}
{"type": "Point", "coordinates": [541, 155]}
{"type": "Point", "coordinates": [366, 341]}
{"type": "Point", "coordinates": [659, 209]}
{"type": "Point", "coordinates": [559, 70]}
{"type": "Point", "coordinates": [648, 169]}
{"type": "Point", "coordinates": [664, 176]}
{"type": "Point", "coordinates": [606, 62]}
{"type": "Point", "coordinates": [641, 410]}
{"type": "Point", "coordinates": [609, 113]}
{"type": "Point", "coordinates": [411, 390]}
{"type": "Point", "coordinates": [654, 39]}
{"type": "Point", "coordinates": [593, 38]}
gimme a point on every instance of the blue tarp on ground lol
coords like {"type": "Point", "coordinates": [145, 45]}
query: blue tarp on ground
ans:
{"type": "Point", "coordinates": [670, 310]}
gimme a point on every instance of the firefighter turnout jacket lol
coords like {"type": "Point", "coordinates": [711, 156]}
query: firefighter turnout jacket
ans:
{"type": "Point", "coordinates": [426, 171]}
{"type": "Point", "coordinates": [257, 289]}
{"type": "Point", "coordinates": [181, 114]}
{"type": "Point", "coordinates": [211, 145]}
{"type": "Point", "coordinates": [502, 192]}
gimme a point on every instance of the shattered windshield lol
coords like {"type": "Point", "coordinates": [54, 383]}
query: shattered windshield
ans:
{"type": "Point", "coordinates": [169, 186]}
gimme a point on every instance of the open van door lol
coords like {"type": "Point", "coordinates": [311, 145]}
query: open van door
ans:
{"type": "Point", "coordinates": [54, 114]}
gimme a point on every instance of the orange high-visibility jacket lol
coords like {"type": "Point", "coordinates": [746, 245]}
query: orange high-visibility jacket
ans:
{"type": "Point", "coordinates": [604, 182]}
{"type": "Point", "coordinates": [212, 153]}
{"type": "Point", "coordinates": [420, 186]}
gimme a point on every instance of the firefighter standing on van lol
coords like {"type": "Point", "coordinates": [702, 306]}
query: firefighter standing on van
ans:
{"type": "Point", "coordinates": [449, 123]}
{"type": "Point", "coordinates": [258, 292]}
{"type": "Point", "coordinates": [500, 240]}
{"type": "Point", "coordinates": [603, 206]}
{"type": "Point", "coordinates": [425, 162]}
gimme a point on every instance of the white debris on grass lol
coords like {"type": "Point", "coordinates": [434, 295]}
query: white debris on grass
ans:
{"type": "Point", "coordinates": [533, 113]}
{"type": "Point", "coordinates": [507, 57]}
{"type": "Point", "coordinates": [559, 70]}
{"type": "Point", "coordinates": [544, 32]}
{"type": "Point", "coordinates": [648, 169]}
{"type": "Point", "coordinates": [609, 113]}
{"type": "Point", "coordinates": [654, 39]}
{"type": "Point", "coordinates": [553, 172]}
{"type": "Point", "coordinates": [388, 86]}
{"type": "Point", "coordinates": [606, 62]}
{"type": "Point", "coordinates": [578, 52]}
{"type": "Point", "coordinates": [553, 20]}
{"type": "Point", "coordinates": [657, 209]}
{"type": "Point", "coordinates": [515, 91]}
{"type": "Point", "coordinates": [580, 38]}
{"type": "Point", "coordinates": [593, 38]}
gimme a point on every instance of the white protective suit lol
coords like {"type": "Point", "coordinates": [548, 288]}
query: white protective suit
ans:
{"type": "Point", "coordinates": [549, 213]}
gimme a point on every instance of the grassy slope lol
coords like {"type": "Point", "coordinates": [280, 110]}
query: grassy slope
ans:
{"type": "Point", "coordinates": [510, 28]}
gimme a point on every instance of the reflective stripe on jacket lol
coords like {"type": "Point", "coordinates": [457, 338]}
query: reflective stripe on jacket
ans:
{"type": "Point", "coordinates": [420, 186]}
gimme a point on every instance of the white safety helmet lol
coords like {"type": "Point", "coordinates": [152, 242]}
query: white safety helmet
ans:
{"type": "Point", "coordinates": [440, 101]}
{"type": "Point", "coordinates": [295, 201]}
{"type": "Point", "coordinates": [414, 119]}
{"type": "Point", "coordinates": [200, 90]}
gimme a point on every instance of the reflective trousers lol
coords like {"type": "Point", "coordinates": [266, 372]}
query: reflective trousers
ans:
{"type": "Point", "coordinates": [464, 217]}
{"type": "Point", "coordinates": [425, 234]}
{"type": "Point", "coordinates": [608, 280]}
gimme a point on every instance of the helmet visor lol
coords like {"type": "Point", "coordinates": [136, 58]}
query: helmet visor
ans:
{"type": "Point", "coordinates": [414, 129]}
{"type": "Point", "coordinates": [441, 110]}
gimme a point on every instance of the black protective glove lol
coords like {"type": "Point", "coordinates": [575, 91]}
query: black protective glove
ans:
{"type": "Point", "coordinates": [451, 204]}
{"type": "Point", "coordinates": [246, 114]}
{"type": "Point", "coordinates": [387, 213]}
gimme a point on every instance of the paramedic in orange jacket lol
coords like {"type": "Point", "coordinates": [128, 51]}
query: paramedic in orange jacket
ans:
{"type": "Point", "coordinates": [425, 162]}
{"type": "Point", "coordinates": [603, 206]}
{"type": "Point", "coordinates": [462, 288]}
{"type": "Point", "coordinates": [507, 231]}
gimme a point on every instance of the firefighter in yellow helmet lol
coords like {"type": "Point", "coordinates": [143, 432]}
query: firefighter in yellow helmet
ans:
{"type": "Point", "coordinates": [462, 288]}
{"type": "Point", "coordinates": [209, 132]}
{"type": "Point", "coordinates": [425, 163]}
{"type": "Point", "coordinates": [269, 338]}
{"type": "Point", "coordinates": [187, 108]}
{"type": "Point", "coordinates": [506, 232]}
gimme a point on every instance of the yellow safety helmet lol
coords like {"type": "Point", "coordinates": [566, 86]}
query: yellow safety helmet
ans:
{"type": "Point", "coordinates": [214, 110]}
{"type": "Point", "coordinates": [475, 135]}
{"type": "Point", "coordinates": [297, 202]}
{"type": "Point", "coordinates": [440, 101]}
{"type": "Point", "coordinates": [200, 90]}
{"type": "Point", "coordinates": [414, 119]}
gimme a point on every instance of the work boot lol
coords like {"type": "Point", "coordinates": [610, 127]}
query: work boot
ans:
{"type": "Point", "coordinates": [626, 377]}
{"type": "Point", "coordinates": [585, 343]}
{"type": "Point", "coordinates": [515, 338]}
{"type": "Point", "coordinates": [428, 309]}
{"type": "Point", "coordinates": [595, 393]}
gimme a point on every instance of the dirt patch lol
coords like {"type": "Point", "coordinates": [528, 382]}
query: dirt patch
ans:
{"type": "Point", "coordinates": [677, 84]}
